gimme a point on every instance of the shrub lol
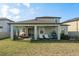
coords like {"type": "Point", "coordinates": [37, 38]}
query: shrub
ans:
{"type": "Point", "coordinates": [64, 37]}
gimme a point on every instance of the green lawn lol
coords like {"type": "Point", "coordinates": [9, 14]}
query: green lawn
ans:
{"type": "Point", "coordinates": [33, 48]}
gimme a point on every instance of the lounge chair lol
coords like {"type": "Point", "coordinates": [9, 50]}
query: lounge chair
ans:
{"type": "Point", "coordinates": [41, 36]}
{"type": "Point", "coordinates": [46, 36]}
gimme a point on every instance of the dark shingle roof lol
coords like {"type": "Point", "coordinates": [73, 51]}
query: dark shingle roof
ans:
{"type": "Point", "coordinates": [38, 21]}
{"type": "Point", "coordinates": [71, 20]}
{"type": "Point", "coordinates": [34, 21]}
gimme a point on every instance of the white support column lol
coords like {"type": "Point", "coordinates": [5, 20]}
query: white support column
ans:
{"type": "Point", "coordinates": [11, 32]}
{"type": "Point", "coordinates": [35, 32]}
{"type": "Point", "coordinates": [59, 32]}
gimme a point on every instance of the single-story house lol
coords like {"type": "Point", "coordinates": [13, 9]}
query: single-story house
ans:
{"type": "Point", "coordinates": [73, 28]}
{"type": "Point", "coordinates": [4, 27]}
{"type": "Point", "coordinates": [40, 27]}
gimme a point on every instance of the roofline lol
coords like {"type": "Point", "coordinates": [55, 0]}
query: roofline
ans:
{"type": "Point", "coordinates": [71, 20]}
{"type": "Point", "coordinates": [42, 23]}
{"type": "Point", "coordinates": [11, 20]}
{"type": "Point", "coordinates": [6, 19]}
{"type": "Point", "coordinates": [33, 23]}
{"type": "Point", "coordinates": [64, 25]}
{"type": "Point", "coordinates": [48, 17]}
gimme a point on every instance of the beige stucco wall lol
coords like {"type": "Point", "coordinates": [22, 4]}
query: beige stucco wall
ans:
{"type": "Point", "coordinates": [78, 25]}
{"type": "Point", "coordinates": [72, 26]}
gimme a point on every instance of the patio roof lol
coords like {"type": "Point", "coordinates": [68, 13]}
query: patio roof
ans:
{"type": "Point", "coordinates": [37, 22]}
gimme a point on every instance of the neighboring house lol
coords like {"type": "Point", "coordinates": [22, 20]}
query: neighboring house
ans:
{"type": "Point", "coordinates": [4, 27]}
{"type": "Point", "coordinates": [40, 27]}
{"type": "Point", "coordinates": [73, 28]}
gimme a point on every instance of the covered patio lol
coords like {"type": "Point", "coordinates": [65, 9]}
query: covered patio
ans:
{"type": "Point", "coordinates": [36, 31]}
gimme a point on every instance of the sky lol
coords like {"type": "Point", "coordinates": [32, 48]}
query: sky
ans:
{"type": "Point", "coordinates": [26, 11]}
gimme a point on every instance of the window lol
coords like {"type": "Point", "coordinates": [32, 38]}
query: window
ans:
{"type": "Point", "coordinates": [56, 20]}
{"type": "Point", "coordinates": [1, 27]}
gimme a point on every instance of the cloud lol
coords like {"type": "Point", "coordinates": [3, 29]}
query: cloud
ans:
{"type": "Point", "coordinates": [15, 11]}
{"type": "Point", "coordinates": [18, 4]}
{"type": "Point", "coordinates": [17, 17]}
{"type": "Point", "coordinates": [29, 10]}
{"type": "Point", "coordinates": [33, 10]}
{"type": "Point", "coordinates": [26, 4]}
{"type": "Point", "coordinates": [13, 17]}
{"type": "Point", "coordinates": [8, 12]}
{"type": "Point", "coordinates": [4, 10]}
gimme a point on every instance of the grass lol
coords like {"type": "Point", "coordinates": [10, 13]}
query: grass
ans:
{"type": "Point", "coordinates": [9, 47]}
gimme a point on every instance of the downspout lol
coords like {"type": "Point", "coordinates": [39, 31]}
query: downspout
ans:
{"type": "Point", "coordinates": [77, 30]}
{"type": "Point", "coordinates": [77, 25]}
